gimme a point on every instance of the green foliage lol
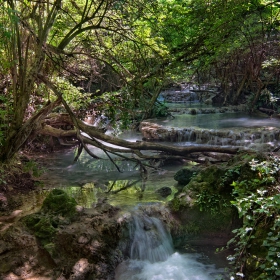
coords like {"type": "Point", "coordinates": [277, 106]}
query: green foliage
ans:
{"type": "Point", "coordinates": [231, 174]}
{"type": "Point", "coordinates": [116, 107]}
{"type": "Point", "coordinates": [2, 177]}
{"type": "Point", "coordinates": [5, 107]}
{"type": "Point", "coordinates": [74, 96]}
{"type": "Point", "coordinates": [32, 168]}
{"type": "Point", "coordinates": [213, 203]}
{"type": "Point", "coordinates": [258, 203]}
{"type": "Point", "coordinates": [160, 110]}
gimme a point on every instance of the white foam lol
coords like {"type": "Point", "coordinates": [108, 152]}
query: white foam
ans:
{"type": "Point", "coordinates": [176, 267]}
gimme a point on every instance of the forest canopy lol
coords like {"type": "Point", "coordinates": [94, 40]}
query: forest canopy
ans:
{"type": "Point", "coordinates": [116, 56]}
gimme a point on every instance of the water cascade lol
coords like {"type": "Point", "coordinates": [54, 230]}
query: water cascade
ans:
{"type": "Point", "coordinates": [152, 256]}
{"type": "Point", "coordinates": [150, 240]}
{"type": "Point", "coordinates": [245, 137]}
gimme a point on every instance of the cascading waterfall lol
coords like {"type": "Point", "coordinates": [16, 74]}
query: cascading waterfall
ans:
{"type": "Point", "coordinates": [150, 240]}
{"type": "Point", "coordinates": [152, 256]}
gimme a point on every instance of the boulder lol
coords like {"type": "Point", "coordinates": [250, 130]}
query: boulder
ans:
{"type": "Point", "coordinates": [184, 176]}
{"type": "Point", "coordinates": [164, 191]}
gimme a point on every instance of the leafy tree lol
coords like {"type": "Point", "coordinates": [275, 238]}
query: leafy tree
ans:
{"type": "Point", "coordinates": [46, 38]}
{"type": "Point", "coordinates": [225, 43]}
{"type": "Point", "coordinates": [51, 48]}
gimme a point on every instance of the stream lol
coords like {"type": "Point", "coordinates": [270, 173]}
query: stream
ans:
{"type": "Point", "coordinates": [152, 255]}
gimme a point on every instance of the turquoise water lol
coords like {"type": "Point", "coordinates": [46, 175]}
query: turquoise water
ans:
{"type": "Point", "coordinates": [219, 121]}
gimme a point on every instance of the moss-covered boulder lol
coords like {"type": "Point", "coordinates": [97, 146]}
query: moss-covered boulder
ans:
{"type": "Point", "coordinates": [184, 176]}
{"type": "Point", "coordinates": [58, 208]}
{"type": "Point", "coordinates": [59, 202]}
{"type": "Point", "coordinates": [41, 226]}
{"type": "Point", "coordinates": [204, 203]}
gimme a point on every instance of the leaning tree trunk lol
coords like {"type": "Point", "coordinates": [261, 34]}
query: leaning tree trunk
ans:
{"type": "Point", "coordinates": [99, 139]}
{"type": "Point", "coordinates": [16, 140]}
{"type": "Point", "coordinates": [27, 56]}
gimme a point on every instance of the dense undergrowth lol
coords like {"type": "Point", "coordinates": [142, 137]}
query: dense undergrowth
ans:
{"type": "Point", "coordinates": [257, 243]}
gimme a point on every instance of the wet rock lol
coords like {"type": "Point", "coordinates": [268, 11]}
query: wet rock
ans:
{"type": "Point", "coordinates": [164, 191]}
{"type": "Point", "coordinates": [204, 207]}
{"type": "Point", "coordinates": [264, 138]}
{"type": "Point", "coordinates": [184, 176]}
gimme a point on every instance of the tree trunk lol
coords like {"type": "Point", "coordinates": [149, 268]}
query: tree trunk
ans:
{"type": "Point", "coordinates": [15, 141]}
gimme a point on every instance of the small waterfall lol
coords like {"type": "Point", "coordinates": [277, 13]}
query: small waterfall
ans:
{"type": "Point", "coordinates": [152, 256]}
{"type": "Point", "coordinates": [150, 239]}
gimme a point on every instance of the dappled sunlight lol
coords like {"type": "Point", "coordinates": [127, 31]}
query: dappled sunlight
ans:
{"type": "Point", "coordinates": [81, 268]}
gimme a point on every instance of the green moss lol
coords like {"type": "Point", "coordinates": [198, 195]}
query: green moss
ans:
{"type": "Point", "coordinates": [208, 179]}
{"type": "Point", "coordinates": [50, 247]}
{"type": "Point", "coordinates": [44, 229]}
{"type": "Point", "coordinates": [184, 175]}
{"type": "Point", "coordinates": [41, 226]}
{"type": "Point", "coordinates": [31, 220]}
{"type": "Point", "coordinates": [192, 228]}
{"type": "Point", "coordinates": [59, 202]}
{"type": "Point", "coordinates": [58, 208]}
{"type": "Point", "coordinates": [175, 204]}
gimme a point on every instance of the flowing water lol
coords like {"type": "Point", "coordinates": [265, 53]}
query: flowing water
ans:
{"type": "Point", "coordinates": [152, 256]}
{"type": "Point", "coordinates": [228, 129]}
{"type": "Point", "coordinates": [219, 121]}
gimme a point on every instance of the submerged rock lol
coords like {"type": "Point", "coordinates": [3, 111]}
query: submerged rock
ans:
{"type": "Point", "coordinates": [164, 191]}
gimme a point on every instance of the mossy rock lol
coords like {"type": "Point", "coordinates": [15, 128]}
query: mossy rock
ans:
{"type": "Point", "coordinates": [42, 226]}
{"type": "Point", "coordinates": [57, 208]}
{"type": "Point", "coordinates": [208, 179]}
{"type": "Point", "coordinates": [184, 176]}
{"type": "Point", "coordinates": [59, 202]}
{"type": "Point", "coordinates": [31, 220]}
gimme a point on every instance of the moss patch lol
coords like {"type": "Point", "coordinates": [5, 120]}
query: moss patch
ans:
{"type": "Point", "coordinates": [59, 202]}
{"type": "Point", "coordinates": [58, 208]}
{"type": "Point", "coordinates": [184, 176]}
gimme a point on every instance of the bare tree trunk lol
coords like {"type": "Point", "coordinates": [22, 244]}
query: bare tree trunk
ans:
{"type": "Point", "coordinates": [257, 95]}
{"type": "Point", "coordinates": [240, 88]}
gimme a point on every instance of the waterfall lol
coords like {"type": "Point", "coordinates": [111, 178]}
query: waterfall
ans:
{"type": "Point", "coordinates": [152, 256]}
{"type": "Point", "coordinates": [150, 240]}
